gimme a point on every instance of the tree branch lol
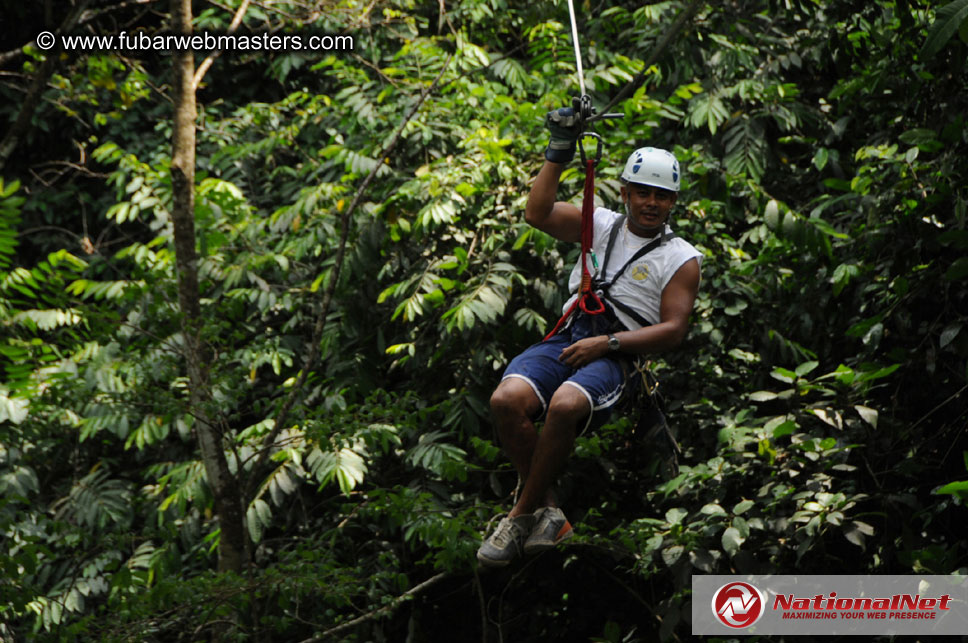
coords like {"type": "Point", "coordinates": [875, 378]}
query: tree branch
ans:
{"type": "Point", "coordinates": [203, 68]}
{"type": "Point", "coordinates": [480, 600]}
{"type": "Point", "coordinates": [386, 609]}
{"type": "Point", "coordinates": [85, 18]}
{"type": "Point", "coordinates": [932, 411]}
{"type": "Point", "coordinates": [21, 125]}
{"type": "Point", "coordinates": [320, 324]}
{"type": "Point", "coordinates": [657, 52]}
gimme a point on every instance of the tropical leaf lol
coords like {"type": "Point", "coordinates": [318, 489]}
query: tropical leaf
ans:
{"type": "Point", "coordinates": [746, 148]}
{"type": "Point", "coordinates": [946, 23]}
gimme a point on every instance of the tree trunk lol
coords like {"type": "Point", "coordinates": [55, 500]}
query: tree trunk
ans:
{"type": "Point", "coordinates": [225, 487]}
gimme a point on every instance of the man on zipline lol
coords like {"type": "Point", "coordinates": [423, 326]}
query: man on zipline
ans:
{"type": "Point", "coordinates": [646, 277]}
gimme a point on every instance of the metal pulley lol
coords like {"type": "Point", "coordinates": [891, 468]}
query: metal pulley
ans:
{"type": "Point", "coordinates": [586, 113]}
{"type": "Point", "coordinates": [583, 104]}
{"type": "Point", "coordinates": [583, 107]}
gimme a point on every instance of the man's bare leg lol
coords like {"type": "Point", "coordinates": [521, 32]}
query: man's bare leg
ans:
{"type": "Point", "coordinates": [513, 404]}
{"type": "Point", "coordinates": [538, 458]}
{"type": "Point", "coordinates": [550, 450]}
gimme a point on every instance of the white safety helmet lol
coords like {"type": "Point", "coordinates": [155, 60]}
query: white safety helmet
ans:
{"type": "Point", "coordinates": [652, 166]}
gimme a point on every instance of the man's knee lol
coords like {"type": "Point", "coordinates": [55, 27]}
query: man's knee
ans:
{"type": "Point", "coordinates": [569, 404]}
{"type": "Point", "coordinates": [513, 397]}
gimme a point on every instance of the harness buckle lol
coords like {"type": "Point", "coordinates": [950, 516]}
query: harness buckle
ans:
{"type": "Point", "coordinates": [650, 383]}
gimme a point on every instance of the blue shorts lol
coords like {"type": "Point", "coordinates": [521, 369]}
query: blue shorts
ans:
{"type": "Point", "coordinates": [602, 382]}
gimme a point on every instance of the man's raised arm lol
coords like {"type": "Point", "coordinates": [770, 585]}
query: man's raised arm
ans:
{"type": "Point", "coordinates": [559, 219]}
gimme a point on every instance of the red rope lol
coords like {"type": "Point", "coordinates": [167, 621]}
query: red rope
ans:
{"type": "Point", "coordinates": [587, 300]}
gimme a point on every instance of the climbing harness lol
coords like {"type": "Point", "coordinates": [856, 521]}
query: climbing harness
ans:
{"type": "Point", "coordinates": [598, 287]}
{"type": "Point", "coordinates": [603, 284]}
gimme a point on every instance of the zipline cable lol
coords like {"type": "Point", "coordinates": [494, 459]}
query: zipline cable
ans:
{"type": "Point", "coordinates": [574, 41]}
{"type": "Point", "coordinates": [588, 300]}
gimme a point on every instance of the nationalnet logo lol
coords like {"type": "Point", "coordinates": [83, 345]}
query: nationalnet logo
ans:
{"type": "Point", "coordinates": [738, 604]}
{"type": "Point", "coordinates": [833, 604]}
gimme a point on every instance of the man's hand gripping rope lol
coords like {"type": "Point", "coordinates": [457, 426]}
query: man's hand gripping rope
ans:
{"type": "Point", "coordinates": [566, 125]}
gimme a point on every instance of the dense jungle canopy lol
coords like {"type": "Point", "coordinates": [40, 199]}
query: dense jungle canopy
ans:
{"type": "Point", "coordinates": [254, 301]}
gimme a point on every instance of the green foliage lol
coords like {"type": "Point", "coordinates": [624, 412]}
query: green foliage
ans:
{"type": "Point", "coordinates": [817, 396]}
{"type": "Point", "coordinates": [949, 19]}
{"type": "Point", "coordinates": [9, 218]}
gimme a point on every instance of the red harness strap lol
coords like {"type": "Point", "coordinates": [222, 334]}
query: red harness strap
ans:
{"type": "Point", "coordinates": [587, 301]}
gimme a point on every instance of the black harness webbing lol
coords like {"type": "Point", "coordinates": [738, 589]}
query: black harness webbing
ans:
{"type": "Point", "coordinates": [602, 285]}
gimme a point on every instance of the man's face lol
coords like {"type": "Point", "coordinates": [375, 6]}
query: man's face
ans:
{"type": "Point", "coordinates": [648, 208]}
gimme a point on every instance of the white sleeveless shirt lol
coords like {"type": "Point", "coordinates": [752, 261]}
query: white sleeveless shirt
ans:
{"type": "Point", "coordinates": [640, 286]}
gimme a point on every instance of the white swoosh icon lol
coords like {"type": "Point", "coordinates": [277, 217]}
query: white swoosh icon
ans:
{"type": "Point", "coordinates": [737, 606]}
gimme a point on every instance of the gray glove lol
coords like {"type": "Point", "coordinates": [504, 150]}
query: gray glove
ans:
{"type": "Point", "coordinates": [565, 127]}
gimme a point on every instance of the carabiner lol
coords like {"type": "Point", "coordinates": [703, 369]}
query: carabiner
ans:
{"type": "Point", "coordinates": [598, 149]}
